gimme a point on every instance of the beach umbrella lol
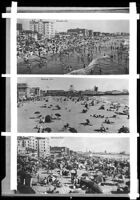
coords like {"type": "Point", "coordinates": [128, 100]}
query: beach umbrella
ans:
{"type": "Point", "coordinates": [48, 129]}
{"type": "Point", "coordinates": [37, 112]}
{"type": "Point", "coordinates": [95, 188]}
{"type": "Point", "coordinates": [72, 130]}
{"type": "Point", "coordinates": [38, 116]}
{"type": "Point", "coordinates": [48, 118]}
{"type": "Point", "coordinates": [57, 114]}
{"type": "Point", "coordinates": [85, 174]}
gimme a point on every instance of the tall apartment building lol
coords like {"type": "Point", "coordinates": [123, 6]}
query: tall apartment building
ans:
{"type": "Point", "coordinates": [45, 28]}
{"type": "Point", "coordinates": [22, 90]}
{"type": "Point", "coordinates": [49, 31]}
{"type": "Point", "coordinates": [31, 24]}
{"type": "Point", "coordinates": [19, 28]}
{"type": "Point", "coordinates": [36, 26]}
{"type": "Point", "coordinates": [40, 27]}
{"type": "Point", "coordinates": [41, 145]}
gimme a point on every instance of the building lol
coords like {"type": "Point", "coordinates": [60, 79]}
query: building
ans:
{"type": "Point", "coordinates": [36, 26]}
{"type": "Point", "coordinates": [114, 92]}
{"type": "Point", "coordinates": [43, 93]}
{"type": "Point", "coordinates": [35, 91]}
{"type": "Point", "coordinates": [44, 147]}
{"type": "Point", "coordinates": [28, 34]}
{"type": "Point", "coordinates": [40, 27]}
{"type": "Point", "coordinates": [34, 35]}
{"type": "Point", "coordinates": [32, 26]}
{"type": "Point", "coordinates": [22, 145]}
{"type": "Point", "coordinates": [60, 150]}
{"type": "Point", "coordinates": [79, 31]}
{"type": "Point", "coordinates": [23, 90]}
{"type": "Point", "coordinates": [96, 34]}
{"type": "Point", "coordinates": [89, 92]}
{"type": "Point", "coordinates": [19, 28]}
{"type": "Point", "coordinates": [90, 33]}
{"type": "Point", "coordinates": [49, 31]}
{"type": "Point", "coordinates": [55, 93]}
{"type": "Point", "coordinates": [125, 91]}
{"type": "Point", "coordinates": [21, 150]}
{"type": "Point", "coordinates": [41, 145]}
{"type": "Point", "coordinates": [44, 28]}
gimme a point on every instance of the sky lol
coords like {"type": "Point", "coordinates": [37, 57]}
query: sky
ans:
{"type": "Point", "coordinates": [78, 83]}
{"type": "Point", "coordinates": [93, 144]}
{"type": "Point", "coordinates": [96, 25]}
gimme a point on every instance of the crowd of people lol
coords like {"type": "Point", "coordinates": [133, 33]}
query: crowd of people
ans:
{"type": "Point", "coordinates": [62, 48]}
{"type": "Point", "coordinates": [79, 173]}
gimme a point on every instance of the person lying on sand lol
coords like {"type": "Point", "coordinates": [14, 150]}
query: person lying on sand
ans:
{"type": "Point", "coordinates": [102, 107]}
{"type": "Point", "coordinates": [102, 128]}
{"type": "Point", "coordinates": [87, 123]}
{"type": "Point", "coordinates": [123, 129]}
{"type": "Point", "coordinates": [107, 121]}
{"type": "Point", "coordinates": [113, 116]}
{"type": "Point", "coordinates": [70, 129]}
{"type": "Point", "coordinates": [97, 116]}
{"type": "Point", "coordinates": [84, 110]}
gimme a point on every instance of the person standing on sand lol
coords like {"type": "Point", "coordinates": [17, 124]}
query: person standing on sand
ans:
{"type": "Point", "coordinates": [102, 128]}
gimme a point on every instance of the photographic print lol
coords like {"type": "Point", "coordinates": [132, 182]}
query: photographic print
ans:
{"type": "Point", "coordinates": [71, 90]}
{"type": "Point", "coordinates": [73, 165]}
{"type": "Point", "coordinates": [73, 105]}
{"type": "Point", "coordinates": [84, 47]}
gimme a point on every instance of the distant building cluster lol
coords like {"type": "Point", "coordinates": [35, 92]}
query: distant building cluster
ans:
{"type": "Point", "coordinates": [19, 27]}
{"type": "Point", "coordinates": [82, 32]}
{"type": "Point", "coordinates": [61, 151]}
{"type": "Point", "coordinates": [45, 28]}
{"type": "Point", "coordinates": [91, 33]}
{"type": "Point", "coordinates": [31, 144]}
{"type": "Point", "coordinates": [39, 29]}
{"type": "Point", "coordinates": [40, 147]}
{"type": "Point", "coordinates": [24, 91]}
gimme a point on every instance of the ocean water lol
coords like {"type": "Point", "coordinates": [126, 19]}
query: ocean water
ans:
{"type": "Point", "coordinates": [115, 156]}
{"type": "Point", "coordinates": [122, 99]}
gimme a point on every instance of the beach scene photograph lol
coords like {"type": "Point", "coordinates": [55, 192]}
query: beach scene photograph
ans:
{"type": "Point", "coordinates": [73, 165]}
{"type": "Point", "coordinates": [85, 47]}
{"type": "Point", "coordinates": [76, 105]}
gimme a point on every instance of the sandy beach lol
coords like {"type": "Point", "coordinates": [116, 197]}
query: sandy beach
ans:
{"type": "Point", "coordinates": [73, 115]}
